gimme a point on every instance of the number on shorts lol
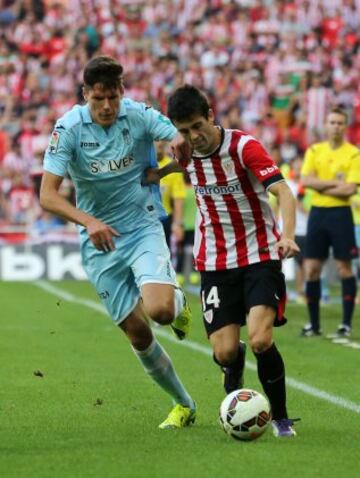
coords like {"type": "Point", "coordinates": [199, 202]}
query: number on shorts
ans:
{"type": "Point", "coordinates": [212, 298]}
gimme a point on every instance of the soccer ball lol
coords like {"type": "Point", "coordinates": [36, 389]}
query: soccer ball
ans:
{"type": "Point", "coordinates": [245, 414]}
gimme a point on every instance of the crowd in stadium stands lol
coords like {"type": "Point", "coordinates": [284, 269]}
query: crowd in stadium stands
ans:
{"type": "Point", "coordinates": [272, 68]}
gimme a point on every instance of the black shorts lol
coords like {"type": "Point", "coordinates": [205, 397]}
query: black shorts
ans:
{"type": "Point", "coordinates": [227, 296]}
{"type": "Point", "coordinates": [331, 227]}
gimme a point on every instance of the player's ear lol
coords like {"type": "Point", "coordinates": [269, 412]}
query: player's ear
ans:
{"type": "Point", "coordinates": [84, 93]}
{"type": "Point", "coordinates": [211, 116]}
{"type": "Point", "coordinates": [121, 86]}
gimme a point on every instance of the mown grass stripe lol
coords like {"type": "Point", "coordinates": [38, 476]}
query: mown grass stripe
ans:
{"type": "Point", "coordinates": [303, 387]}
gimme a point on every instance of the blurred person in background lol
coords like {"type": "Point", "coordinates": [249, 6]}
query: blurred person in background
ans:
{"type": "Point", "coordinates": [185, 270]}
{"type": "Point", "coordinates": [332, 170]}
{"type": "Point", "coordinates": [172, 190]}
{"type": "Point", "coordinates": [302, 214]}
{"type": "Point", "coordinates": [355, 206]}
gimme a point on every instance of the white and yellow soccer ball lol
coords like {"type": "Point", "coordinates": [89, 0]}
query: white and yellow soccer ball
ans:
{"type": "Point", "coordinates": [245, 414]}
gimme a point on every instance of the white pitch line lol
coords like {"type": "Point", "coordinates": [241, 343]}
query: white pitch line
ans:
{"type": "Point", "coordinates": [303, 387]}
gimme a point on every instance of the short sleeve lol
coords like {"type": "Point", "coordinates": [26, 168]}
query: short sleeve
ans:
{"type": "Point", "coordinates": [158, 126]}
{"type": "Point", "coordinates": [59, 151]}
{"type": "Point", "coordinates": [260, 163]}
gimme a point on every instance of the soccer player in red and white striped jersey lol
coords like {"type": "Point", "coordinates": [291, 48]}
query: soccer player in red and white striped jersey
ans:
{"type": "Point", "coordinates": [238, 248]}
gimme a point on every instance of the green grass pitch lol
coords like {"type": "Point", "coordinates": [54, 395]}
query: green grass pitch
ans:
{"type": "Point", "coordinates": [74, 401]}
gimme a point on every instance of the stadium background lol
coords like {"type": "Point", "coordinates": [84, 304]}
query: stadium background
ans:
{"type": "Point", "coordinates": [73, 400]}
{"type": "Point", "coordinates": [270, 67]}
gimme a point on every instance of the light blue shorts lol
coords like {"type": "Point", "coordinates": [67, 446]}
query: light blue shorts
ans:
{"type": "Point", "coordinates": [141, 257]}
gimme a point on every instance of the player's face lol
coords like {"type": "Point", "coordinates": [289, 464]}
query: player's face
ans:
{"type": "Point", "coordinates": [104, 103]}
{"type": "Point", "coordinates": [335, 126]}
{"type": "Point", "coordinates": [200, 133]}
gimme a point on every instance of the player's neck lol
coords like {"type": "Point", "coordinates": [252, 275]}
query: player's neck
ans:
{"type": "Point", "coordinates": [336, 143]}
{"type": "Point", "coordinates": [214, 146]}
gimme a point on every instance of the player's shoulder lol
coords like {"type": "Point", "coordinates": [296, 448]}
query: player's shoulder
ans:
{"type": "Point", "coordinates": [317, 148]}
{"type": "Point", "coordinates": [70, 119]}
{"type": "Point", "coordinates": [353, 150]}
{"type": "Point", "coordinates": [239, 134]}
{"type": "Point", "coordinates": [133, 108]}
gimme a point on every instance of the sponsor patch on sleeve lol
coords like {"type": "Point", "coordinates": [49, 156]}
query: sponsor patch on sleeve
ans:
{"type": "Point", "coordinates": [54, 142]}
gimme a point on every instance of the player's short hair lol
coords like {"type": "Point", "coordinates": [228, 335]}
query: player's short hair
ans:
{"type": "Point", "coordinates": [105, 70]}
{"type": "Point", "coordinates": [187, 102]}
{"type": "Point", "coordinates": [339, 111]}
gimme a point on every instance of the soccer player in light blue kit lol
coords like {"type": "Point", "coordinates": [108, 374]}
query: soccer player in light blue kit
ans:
{"type": "Point", "coordinates": [105, 146]}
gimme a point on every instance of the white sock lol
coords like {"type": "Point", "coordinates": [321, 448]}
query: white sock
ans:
{"type": "Point", "coordinates": [157, 364]}
{"type": "Point", "coordinates": [178, 301]}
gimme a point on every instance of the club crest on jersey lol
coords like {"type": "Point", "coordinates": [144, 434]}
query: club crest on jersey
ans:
{"type": "Point", "coordinates": [209, 315]}
{"type": "Point", "coordinates": [126, 136]}
{"type": "Point", "coordinates": [228, 166]}
{"type": "Point", "coordinates": [54, 142]}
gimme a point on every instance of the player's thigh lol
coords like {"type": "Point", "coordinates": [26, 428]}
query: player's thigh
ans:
{"type": "Point", "coordinates": [113, 281]}
{"type": "Point", "coordinates": [150, 258]}
{"type": "Point", "coordinates": [222, 299]}
{"type": "Point", "coordinates": [317, 242]}
{"type": "Point", "coordinates": [158, 299]}
{"type": "Point", "coordinates": [342, 233]}
{"type": "Point", "coordinates": [264, 285]}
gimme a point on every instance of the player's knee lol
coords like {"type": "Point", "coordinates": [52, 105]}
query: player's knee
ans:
{"type": "Point", "coordinates": [162, 314]}
{"type": "Point", "coordinates": [313, 275]}
{"type": "Point", "coordinates": [138, 333]}
{"type": "Point", "coordinates": [226, 355]}
{"type": "Point", "coordinates": [259, 342]}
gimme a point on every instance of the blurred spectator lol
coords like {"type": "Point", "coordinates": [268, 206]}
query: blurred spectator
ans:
{"type": "Point", "coordinates": [270, 67]}
{"type": "Point", "coordinates": [172, 189]}
{"type": "Point", "coordinates": [185, 270]}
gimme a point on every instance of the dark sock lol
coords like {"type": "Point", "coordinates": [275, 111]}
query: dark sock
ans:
{"type": "Point", "coordinates": [271, 372]}
{"type": "Point", "coordinates": [313, 294]}
{"type": "Point", "coordinates": [348, 287]}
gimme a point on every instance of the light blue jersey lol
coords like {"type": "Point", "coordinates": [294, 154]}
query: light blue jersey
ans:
{"type": "Point", "coordinates": [107, 165]}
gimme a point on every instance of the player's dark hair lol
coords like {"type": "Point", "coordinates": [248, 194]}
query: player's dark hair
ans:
{"type": "Point", "coordinates": [187, 102]}
{"type": "Point", "coordinates": [339, 111]}
{"type": "Point", "coordinates": [104, 70]}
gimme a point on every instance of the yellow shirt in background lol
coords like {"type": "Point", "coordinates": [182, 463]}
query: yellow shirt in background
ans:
{"type": "Point", "coordinates": [355, 206]}
{"type": "Point", "coordinates": [328, 164]}
{"type": "Point", "coordinates": [171, 187]}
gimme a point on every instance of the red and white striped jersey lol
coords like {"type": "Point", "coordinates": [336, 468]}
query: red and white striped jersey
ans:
{"type": "Point", "coordinates": [235, 225]}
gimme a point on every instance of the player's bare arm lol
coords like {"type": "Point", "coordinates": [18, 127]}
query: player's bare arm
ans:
{"type": "Point", "coordinates": [342, 190]}
{"type": "Point", "coordinates": [287, 247]}
{"type": "Point", "coordinates": [101, 235]}
{"type": "Point", "coordinates": [153, 175]}
{"type": "Point", "coordinates": [320, 185]}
